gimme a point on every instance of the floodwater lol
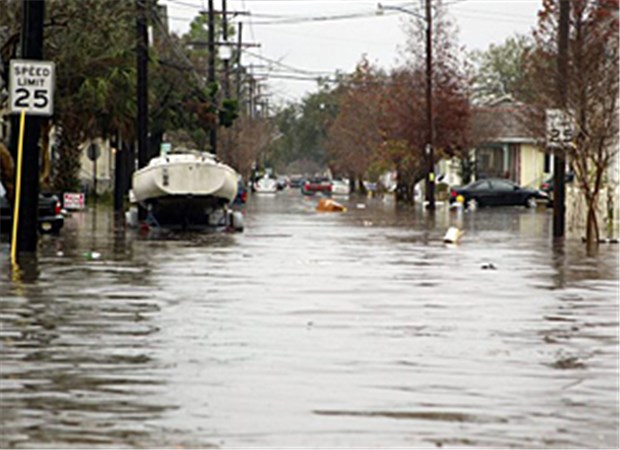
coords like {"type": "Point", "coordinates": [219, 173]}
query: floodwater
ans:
{"type": "Point", "coordinates": [360, 329]}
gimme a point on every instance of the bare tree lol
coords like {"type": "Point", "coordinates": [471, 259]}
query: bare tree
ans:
{"type": "Point", "coordinates": [592, 98]}
{"type": "Point", "coordinates": [249, 139]}
{"type": "Point", "coordinates": [354, 137]}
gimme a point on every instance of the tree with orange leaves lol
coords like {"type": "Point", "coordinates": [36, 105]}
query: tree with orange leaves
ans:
{"type": "Point", "coordinates": [354, 137]}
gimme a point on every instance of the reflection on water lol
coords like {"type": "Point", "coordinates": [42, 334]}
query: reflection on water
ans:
{"type": "Point", "coordinates": [309, 329]}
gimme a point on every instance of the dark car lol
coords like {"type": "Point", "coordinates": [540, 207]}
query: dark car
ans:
{"type": "Point", "coordinates": [282, 183]}
{"type": "Point", "coordinates": [296, 181]}
{"type": "Point", "coordinates": [496, 192]}
{"type": "Point", "coordinates": [50, 220]}
{"type": "Point", "coordinates": [547, 185]}
{"type": "Point", "coordinates": [316, 185]}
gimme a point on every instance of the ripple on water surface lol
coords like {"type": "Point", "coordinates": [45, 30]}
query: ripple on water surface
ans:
{"type": "Point", "coordinates": [308, 329]}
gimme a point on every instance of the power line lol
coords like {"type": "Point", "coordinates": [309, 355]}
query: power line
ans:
{"type": "Point", "coordinates": [301, 19]}
{"type": "Point", "coordinates": [291, 68]}
{"type": "Point", "coordinates": [284, 19]}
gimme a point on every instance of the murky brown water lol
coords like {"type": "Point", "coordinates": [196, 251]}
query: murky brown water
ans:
{"type": "Point", "coordinates": [358, 329]}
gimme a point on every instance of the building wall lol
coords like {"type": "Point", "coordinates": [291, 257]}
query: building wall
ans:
{"type": "Point", "coordinates": [448, 171]}
{"type": "Point", "coordinates": [608, 213]}
{"type": "Point", "coordinates": [531, 166]}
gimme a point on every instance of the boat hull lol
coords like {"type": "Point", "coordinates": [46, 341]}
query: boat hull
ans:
{"type": "Point", "coordinates": [184, 189]}
{"type": "Point", "coordinates": [192, 176]}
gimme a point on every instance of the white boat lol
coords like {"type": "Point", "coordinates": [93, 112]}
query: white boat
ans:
{"type": "Point", "coordinates": [184, 187]}
{"type": "Point", "coordinates": [265, 185]}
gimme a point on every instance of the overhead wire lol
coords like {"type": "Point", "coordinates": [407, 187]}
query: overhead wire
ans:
{"type": "Point", "coordinates": [284, 19]}
{"type": "Point", "coordinates": [286, 66]}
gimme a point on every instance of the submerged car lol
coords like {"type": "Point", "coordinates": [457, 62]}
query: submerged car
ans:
{"type": "Point", "coordinates": [50, 218]}
{"type": "Point", "coordinates": [296, 181]}
{"type": "Point", "coordinates": [547, 185]}
{"type": "Point", "coordinates": [316, 185]}
{"type": "Point", "coordinates": [282, 183]}
{"type": "Point", "coordinates": [496, 192]}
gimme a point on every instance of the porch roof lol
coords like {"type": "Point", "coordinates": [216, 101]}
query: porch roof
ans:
{"type": "Point", "coordinates": [500, 124]}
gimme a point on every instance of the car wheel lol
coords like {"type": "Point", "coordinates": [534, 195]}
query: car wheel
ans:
{"type": "Point", "coordinates": [530, 202]}
{"type": "Point", "coordinates": [473, 204]}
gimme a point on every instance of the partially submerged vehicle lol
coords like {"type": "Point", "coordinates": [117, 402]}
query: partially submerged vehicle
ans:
{"type": "Point", "coordinates": [316, 185]}
{"type": "Point", "coordinates": [49, 220]}
{"type": "Point", "coordinates": [496, 192]}
{"type": "Point", "coordinates": [266, 185]}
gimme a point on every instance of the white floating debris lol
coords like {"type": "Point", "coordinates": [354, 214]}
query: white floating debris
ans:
{"type": "Point", "coordinates": [452, 235]}
{"type": "Point", "coordinates": [92, 255]}
{"type": "Point", "coordinates": [361, 206]}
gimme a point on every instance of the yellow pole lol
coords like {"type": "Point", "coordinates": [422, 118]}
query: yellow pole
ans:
{"type": "Point", "coordinates": [18, 186]}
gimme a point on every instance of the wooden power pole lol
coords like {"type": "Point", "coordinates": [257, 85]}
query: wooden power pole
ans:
{"type": "Point", "coordinates": [559, 161]}
{"type": "Point", "coordinates": [429, 151]}
{"type": "Point", "coordinates": [32, 49]}
{"type": "Point", "coordinates": [142, 121]}
{"type": "Point", "coordinates": [211, 75]}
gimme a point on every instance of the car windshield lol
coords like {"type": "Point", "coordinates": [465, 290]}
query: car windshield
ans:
{"type": "Point", "coordinates": [476, 185]}
{"type": "Point", "coordinates": [503, 185]}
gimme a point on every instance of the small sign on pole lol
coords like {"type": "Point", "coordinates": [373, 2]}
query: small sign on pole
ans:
{"type": "Point", "coordinates": [31, 87]}
{"type": "Point", "coordinates": [560, 128]}
{"type": "Point", "coordinates": [73, 200]}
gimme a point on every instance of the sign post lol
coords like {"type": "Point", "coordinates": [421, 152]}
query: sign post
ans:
{"type": "Point", "coordinates": [561, 131]}
{"type": "Point", "coordinates": [31, 92]}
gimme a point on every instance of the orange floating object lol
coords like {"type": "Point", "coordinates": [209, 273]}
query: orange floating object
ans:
{"type": "Point", "coordinates": [328, 205]}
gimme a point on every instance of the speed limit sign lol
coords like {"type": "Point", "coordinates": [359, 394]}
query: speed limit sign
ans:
{"type": "Point", "coordinates": [560, 128]}
{"type": "Point", "coordinates": [31, 87]}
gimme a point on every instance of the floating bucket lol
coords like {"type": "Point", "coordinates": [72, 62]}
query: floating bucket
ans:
{"type": "Point", "coordinates": [328, 205]}
{"type": "Point", "coordinates": [453, 235]}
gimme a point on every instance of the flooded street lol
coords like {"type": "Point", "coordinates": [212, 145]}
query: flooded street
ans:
{"type": "Point", "coordinates": [360, 329]}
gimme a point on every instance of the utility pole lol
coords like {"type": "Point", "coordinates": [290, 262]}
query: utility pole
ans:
{"type": "Point", "coordinates": [119, 173]}
{"type": "Point", "coordinates": [211, 74]}
{"type": "Point", "coordinates": [238, 73]}
{"type": "Point", "coordinates": [559, 161]}
{"type": "Point", "coordinates": [32, 49]}
{"type": "Point", "coordinates": [251, 106]}
{"type": "Point", "coordinates": [430, 176]}
{"type": "Point", "coordinates": [142, 69]}
{"type": "Point", "coordinates": [226, 60]}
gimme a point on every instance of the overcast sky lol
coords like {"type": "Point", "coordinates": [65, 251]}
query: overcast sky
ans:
{"type": "Point", "coordinates": [307, 46]}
